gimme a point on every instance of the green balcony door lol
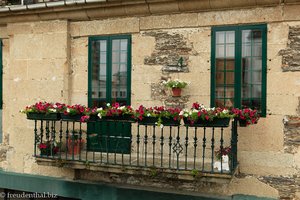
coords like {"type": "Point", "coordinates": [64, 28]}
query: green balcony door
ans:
{"type": "Point", "coordinates": [109, 82]}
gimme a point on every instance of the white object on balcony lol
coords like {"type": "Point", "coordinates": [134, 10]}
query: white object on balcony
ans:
{"type": "Point", "coordinates": [225, 164]}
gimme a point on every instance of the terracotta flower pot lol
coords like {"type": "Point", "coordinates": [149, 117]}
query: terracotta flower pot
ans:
{"type": "Point", "coordinates": [74, 146]}
{"type": "Point", "coordinates": [176, 92]}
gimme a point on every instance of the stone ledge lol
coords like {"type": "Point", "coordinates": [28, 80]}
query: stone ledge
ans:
{"type": "Point", "coordinates": [183, 175]}
{"type": "Point", "coordinates": [109, 9]}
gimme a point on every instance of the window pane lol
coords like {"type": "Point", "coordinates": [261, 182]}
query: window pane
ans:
{"type": "Point", "coordinates": [256, 50]}
{"type": "Point", "coordinates": [116, 45]}
{"type": "Point", "coordinates": [229, 78]}
{"type": "Point", "coordinates": [103, 45]}
{"type": "Point", "coordinates": [246, 36]}
{"type": "Point", "coordinates": [256, 77]}
{"type": "Point", "coordinates": [103, 57]}
{"type": "Point", "coordinates": [256, 91]}
{"type": "Point", "coordinates": [220, 37]}
{"type": "Point", "coordinates": [123, 45]}
{"type": "Point", "coordinates": [119, 69]}
{"type": "Point", "coordinates": [229, 51]}
{"type": "Point", "coordinates": [124, 57]}
{"type": "Point", "coordinates": [115, 57]}
{"type": "Point", "coordinates": [230, 37]}
{"type": "Point", "coordinates": [252, 67]}
{"type": "Point", "coordinates": [99, 69]}
{"type": "Point", "coordinates": [220, 51]}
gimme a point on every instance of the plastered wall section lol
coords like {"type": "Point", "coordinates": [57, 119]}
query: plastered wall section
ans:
{"type": "Point", "coordinates": [35, 68]}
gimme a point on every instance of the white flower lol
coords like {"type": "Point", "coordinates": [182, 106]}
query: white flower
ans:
{"type": "Point", "coordinates": [161, 126]}
{"type": "Point", "coordinates": [185, 114]}
{"type": "Point", "coordinates": [52, 110]}
{"type": "Point", "coordinates": [99, 109]}
{"type": "Point", "coordinates": [54, 106]}
{"type": "Point", "coordinates": [99, 115]}
{"type": "Point", "coordinates": [148, 115]}
{"type": "Point", "coordinates": [68, 110]}
{"type": "Point", "coordinates": [121, 108]}
{"type": "Point", "coordinates": [108, 104]}
{"type": "Point", "coordinates": [225, 111]}
{"type": "Point", "coordinates": [181, 113]}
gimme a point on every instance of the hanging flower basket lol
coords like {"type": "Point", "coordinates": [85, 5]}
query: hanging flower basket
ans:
{"type": "Point", "coordinates": [43, 116]}
{"type": "Point", "coordinates": [216, 122]}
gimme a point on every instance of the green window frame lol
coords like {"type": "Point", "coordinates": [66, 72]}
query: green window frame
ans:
{"type": "Point", "coordinates": [110, 94]}
{"type": "Point", "coordinates": [239, 66]}
{"type": "Point", "coordinates": [109, 81]}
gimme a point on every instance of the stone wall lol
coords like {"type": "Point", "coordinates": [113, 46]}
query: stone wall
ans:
{"type": "Point", "coordinates": [48, 61]}
{"type": "Point", "coordinates": [291, 55]}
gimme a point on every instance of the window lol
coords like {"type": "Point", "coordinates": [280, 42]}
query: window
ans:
{"type": "Point", "coordinates": [110, 66]}
{"type": "Point", "coordinates": [109, 82]}
{"type": "Point", "coordinates": [238, 71]}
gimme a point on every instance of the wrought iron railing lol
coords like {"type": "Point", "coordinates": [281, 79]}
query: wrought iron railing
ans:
{"type": "Point", "coordinates": [130, 144]}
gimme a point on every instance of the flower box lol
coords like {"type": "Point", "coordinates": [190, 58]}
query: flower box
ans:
{"type": "Point", "coordinates": [93, 118]}
{"type": "Point", "coordinates": [43, 116]}
{"type": "Point", "coordinates": [125, 117]}
{"type": "Point", "coordinates": [76, 117]}
{"type": "Point", "coordinates": [217, 122]}
{"type": "Point", "coordinates": [148, 121]}
{"type": "Point", "coordinates": [155, 120]}
{"type": "Point", "coordinates": [243, 123]}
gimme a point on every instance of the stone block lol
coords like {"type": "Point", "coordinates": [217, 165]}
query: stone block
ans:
{"type": "Point", "coordinates": [169, 21]}
{"type": "Point", "coordinates": [257, 137]}
{"type": "Point", "coordinates": [19, 28]}
{"type": "Point", "coordinates": [79, 97]}
{"type": "Point", "coordinates": [142, 46]}
{"type": "Point", "coordinates": [275, 87]}
{"type": "Point", "coordinates": [252, 186]}
{"type": "Point", "coordinates": [3, 32]}
{"type": "Point", "coordinates": [104, 27]}
{"type": "Point", "coordinates": [267, 163]}
{"type": "Point", "coordinates": [282, 104]}
{"type": "Point", "coordinates": [278, 33]}
{"type": "Point", "coordinates": [191, 5]}
{"type": "Point", "coordinates": [79, 47]}
{"type": "Point", "coordinates": [57, 26]}
{"type": "Point", "coordinates": [46, 69]}
{"type": "Point", "coordinates": [79, 82]}
{"type": "Point", "coordinates": [290, 12]}
{"type": "Point", "coordinates": [158, 8]}
{"type": "Point", "coordinates": [253, 15]}
{"type": "Point", "coordinates": [25, 46]}
{"type": "Point", "coordinates": [54, 45]}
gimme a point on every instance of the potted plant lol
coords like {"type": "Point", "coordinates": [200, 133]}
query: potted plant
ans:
{"type": "Point", "coordinates": [246, 116]}
{"type": "Point", "coordinates": [223, 157]}
{"type": "Point", "coordinates": [48, 148]}
{"type": "Point", "coordinates": [74, 144]}
{"type": "Point", "coordinates": [176, 86]}
{"type": "Point", "coordinates": [201, 116]}
{"type": "Point", "coordinates": [43, 111]}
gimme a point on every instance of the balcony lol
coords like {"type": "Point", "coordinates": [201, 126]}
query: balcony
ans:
{"type": "Point", "coordinates": [127, 146]}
